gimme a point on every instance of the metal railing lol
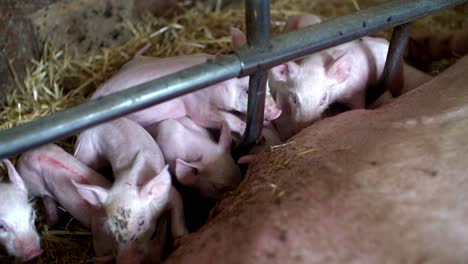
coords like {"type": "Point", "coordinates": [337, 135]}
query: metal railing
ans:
{"type": "Point", "coordinates": [257, 57]}
{"type": "Point", "coordinates": [257, 20]}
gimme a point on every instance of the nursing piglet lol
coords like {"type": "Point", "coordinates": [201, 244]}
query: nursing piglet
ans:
{"type": "Point", "coordinates": [203, 106]}
{"type": "Point", "coordinates": [305, 88]}
{"type": "Point", "coordinates": [17, 230]}
{"type": "Point", "coordinates": [142, 190]}
{"type": "Point", "coordinates": [48, 172]}
{"type": "Point", "coordinates": [196, 159]}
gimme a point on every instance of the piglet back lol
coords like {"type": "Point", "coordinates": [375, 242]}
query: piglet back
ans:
{"type": "Point", "coordinates": [143, 69]}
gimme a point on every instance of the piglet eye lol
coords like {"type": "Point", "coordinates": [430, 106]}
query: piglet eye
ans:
{"type": "Point", "coordinates": [2, 227]}
{"type": "Point", "coordinates": [324, 99]}
{"type": "Point", "coordinates": [293, 97]}
{"type": "Point", "coordinates": [31, 216]}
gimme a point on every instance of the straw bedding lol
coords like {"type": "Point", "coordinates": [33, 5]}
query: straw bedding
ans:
{"type": "Point", "coordinates": [62, 79]}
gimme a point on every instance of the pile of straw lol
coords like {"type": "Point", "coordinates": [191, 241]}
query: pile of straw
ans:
{"type": "Point", "coordinates": [62, 79]}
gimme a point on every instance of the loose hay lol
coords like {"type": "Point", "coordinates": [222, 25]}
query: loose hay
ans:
{"type": "Point", "coordinates": [62, 79]}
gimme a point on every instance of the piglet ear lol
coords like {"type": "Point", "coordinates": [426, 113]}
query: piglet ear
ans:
{"type": "Point", "coordinates": [308, 20]}
{"type": "Point", "coordinates": [225, 138]}
{"type": "Point", "coordinates": [238, 38]}
{"type": "Point", "coordinates": [186, 173]}
{"type": "Point", "coordinates": [340, 68]}
{"type": "Point", "coordinates": [158, 188]}
{"type": "Point", "coordinates": [94, 195]}
{"type": "Point", "coordinates": [292, 23]}
{"type": "Point", "coordinates": [286, 71]}
{"type": "Point", "coordinates": [13, 175]}
{"type": "Point", "coordinates": [299, 21]}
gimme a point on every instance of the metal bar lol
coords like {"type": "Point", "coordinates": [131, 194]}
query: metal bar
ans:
{"type": "Point", "coordinates": [246, 61]}
{"type": "Point", "coordinates": [85, 115]}
{"type": "Point", "coordinates": [329, 33]}
{"type": "Point", "coordinates": [393, 63]}
{"type": "Point", "coordinates": [257, 17]}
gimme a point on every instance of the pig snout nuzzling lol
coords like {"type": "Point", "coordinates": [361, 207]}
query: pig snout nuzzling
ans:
{"type": "Point", "coordinates": [17, 230]}
{"type": "Point", "coordinates": [142, 190]}
{"type": "Point", "coordinates": [305, 88]}
{"type": "Point", "coordinates": [196, 159]}
{"type": "Point", "coordinates": [48, 172]}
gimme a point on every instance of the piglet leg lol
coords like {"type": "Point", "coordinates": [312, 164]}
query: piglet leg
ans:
{"type": "Point", "coordinates": [177, 214]}
{"type": "Point", "coordinates": [85, 152]}
{"type": "Point", "coordinates": [50, 207]}
{"type": "Point", "coordinates": [209, 118]}
{"type": "Point", "coordinates": [214, 118]}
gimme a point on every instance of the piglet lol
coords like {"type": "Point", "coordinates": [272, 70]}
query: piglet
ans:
{"type": "Point", "coordinates": [196, 159]}
{"type": "Point", "coordinates": [305, 88]}
{"type": "Point", "coordinates": [17, 230]}
{"type": "Point", "coordinates": [203, 106]}
{"type": "Point", "coordinates": [49, 172]}
{"type": "Point", "coordinates": [142, 190]}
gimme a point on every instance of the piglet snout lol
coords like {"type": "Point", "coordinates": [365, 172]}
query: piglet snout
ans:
{"type": "Point", "coordinates": [31, 254]}
{"type": "Point", "coordinates": [27, 246]}
{"type": "Point", "coordinates": [272, 113]}
{"type": "Point", "coordinates": [129, 259]}
{"type": "Point", "coordinates": [129, 255]}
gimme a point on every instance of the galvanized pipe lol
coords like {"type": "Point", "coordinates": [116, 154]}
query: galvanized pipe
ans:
{"type": "Point", "coordinates": [85, 115]}
{"type": "Point", "coordinates": [329, 33]}
{"type": "Point", "coordinates": [246, 61]}
{"type": "Point", "coordinates": [393, 63]}
{"type": "Point", "coordinates": [257, 17]}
